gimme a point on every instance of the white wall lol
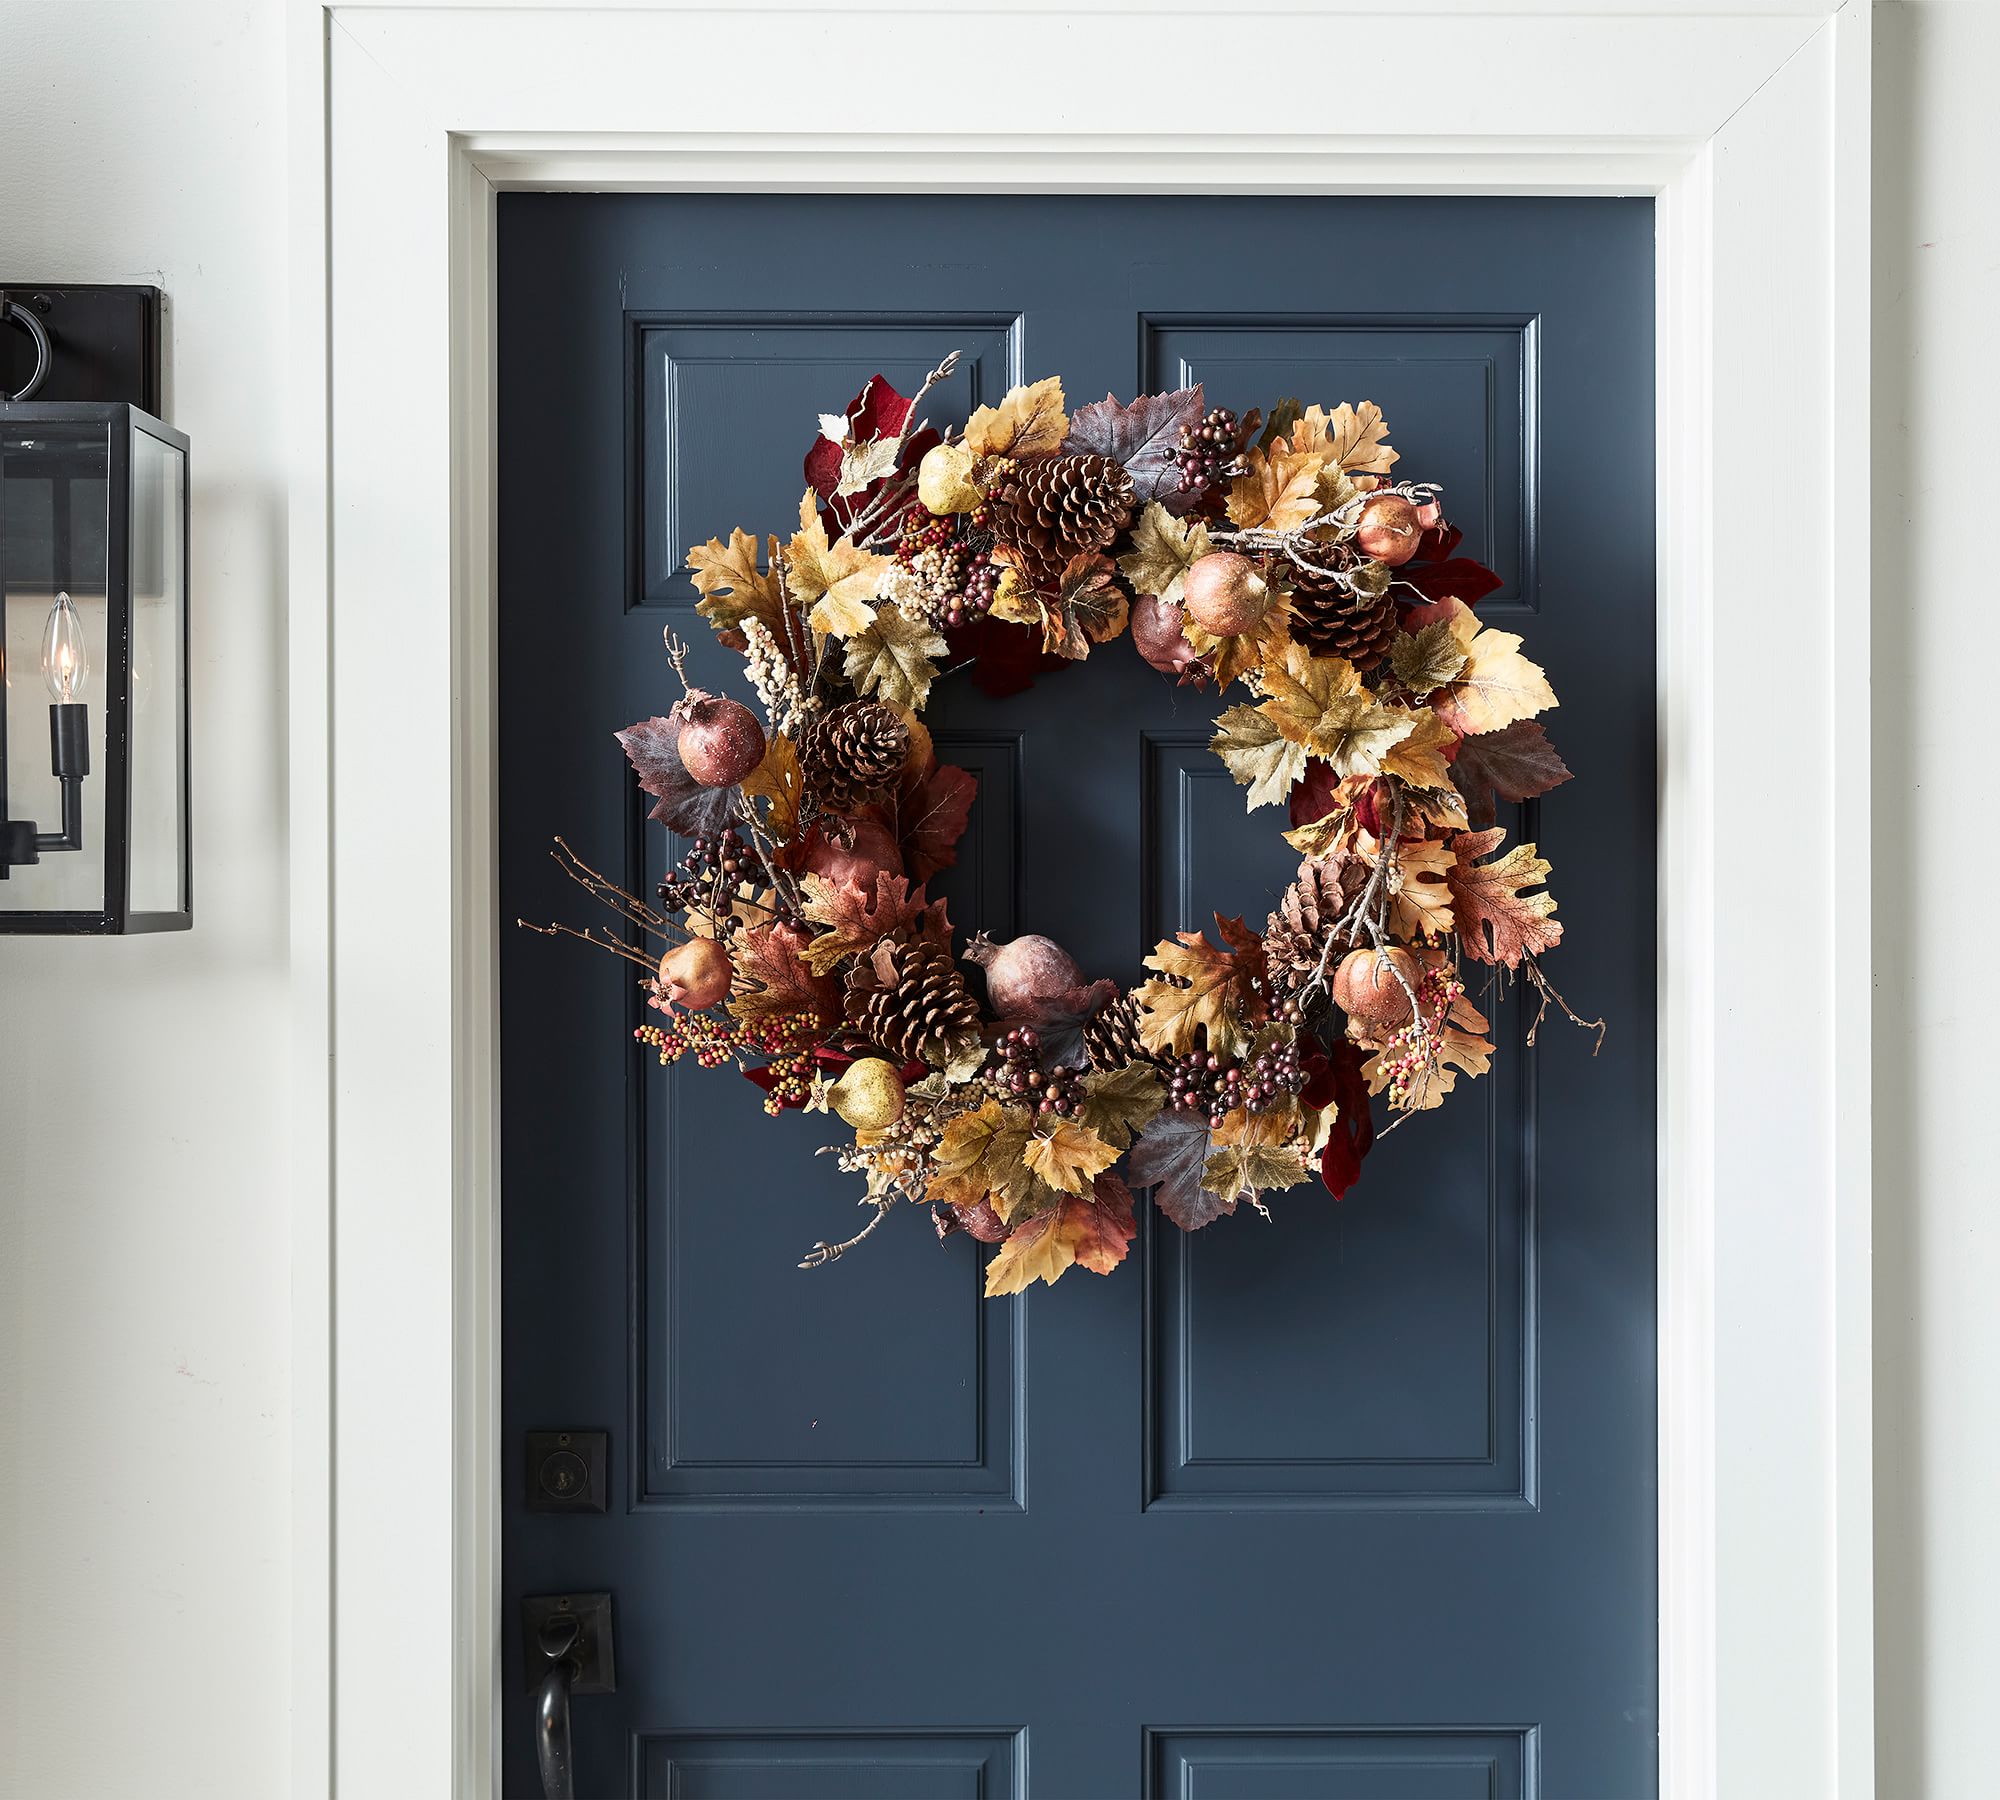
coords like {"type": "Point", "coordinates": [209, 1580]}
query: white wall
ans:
{"type": "Point", "coordinates": [1937, 1170]}
{"type": "Point", "coordinates": [144, 1252]}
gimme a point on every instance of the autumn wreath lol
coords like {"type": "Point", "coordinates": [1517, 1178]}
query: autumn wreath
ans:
{"type": "Point", "coordinates": [1280, 555]}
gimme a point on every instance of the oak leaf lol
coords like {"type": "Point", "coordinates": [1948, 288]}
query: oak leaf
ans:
{"type": "Point", "coordinates": [1140, 438]}
{"type": "Point", "coordinates": [890, 657]}
{"type": "Point", "coordinates": [835, 583]}
{"type": "Point", "coordinates": [1517, 762]}
{"type": "Point", "coordinates": [1203, 989]}
{"type": "Point", "coordinates": [1278, 489]}
{"type": "Point", "coordinates": [1258, 754]}
{"type": "Point", "coordinates": [978, 1158]}
{"type": "Point", "coordinates": [1068, 1155]}
{"type": "Point", "coordinates": [1498, 922]}
{"type": "Point", "coordinates": [1322, 704]}
{"type": "Point", "coordinates": [1029, 421]}
{"type": "Point", "coordinates": [1355, 438]}
{"type": "Point", "coordinates": [1163, 547]}
{"type": "Point", "coordinates": [1119, 1102]}
{"type": "Point", "coordinates": [1091, 1231]}
{"type": "Point", "coordinates": [1420, 900]}
{"type": "Point", "coordinates": [1459, 1044]}
{"type": "Point", "coordinates": [731, 585]}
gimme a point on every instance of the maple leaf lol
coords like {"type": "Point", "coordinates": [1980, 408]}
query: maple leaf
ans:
{"type": "Point", "coordinates": [1141, 438]}
{"type": "Point", "coordinates": [978, 1158]}
{"type": "Point", "coordinates": [835, 583]}
{"type": "Point", "coordinates": [1029, 421]}
{"type": "Point", "coordinates": [1278, 489]}
{"type": "Point", "coordinates": [862, 465]}
{"type": "Point", "coordinates": [1169, 1158]}
{"type": "Point", "coordinates": [1118, 1102]}
{"type": "Point", "coordinates": [731, 585]}
{"type": "Point", "coordinates": [1518, 762]}
{"type": "Point", "coordinates": [1419, 758]}
{"type": "Point", "coordinates": [1067, 1155]}
{"type": "Point", "coordinates": [891, 659]}
{"type": "Point", "coordinates": [857, 919]}
{"type": "Point", "coordinates": [1219, 996]}
{"type": "Point", "coordinates": [1497, 921]}
{"type": "Point", "coordinates": [1090, 608]}
{"type": "Point", "coordinates": [1091, 1232]}
{"type": "Point", "coordinates": [1497, 686]}
{"type": "Point", "coordinates": [681, 803]}
{"type": "Point", "coordinates": [1244, 1171]}
{"type": "Point", "coordinates": [1351, 437]}
{"type": "Point", "coordinates": [773, 979]}
{"type": "Point", "coordinates": [1163, 547]}
{"type": "Point", "coordinates": [1258, 754]}
{"type": "Point", "coordinates": [1428, 659]}
{"type": "Point", "coordinates": [1321, 703]}
{"type": "Point", "coordinates": [779, 780]}
{"type": "Point", "coordinates": [1420, 902]}
{"type": "Point", "coordinates": [931, 810]}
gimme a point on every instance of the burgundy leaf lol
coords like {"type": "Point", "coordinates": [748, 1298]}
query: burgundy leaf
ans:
{"type": "Point", "coordinates": [1518, 762]}
{"type": "Point", "coordinates": [1313, 794]}
{"type": "Point", "coordinates": [1353, 1131]}
{"type": "Point", "coordinates": [1005, 658]}
{"type": "Point", "coordinates": [930, 815]}
{"type": "Point", "coordinates": [878, 411]}
{"type": "Point", "coordinates": [1457, 578]}
{"type": "Point", "coordinates": [1142, 437]}
{"type": "Point", "coordinates": [681, 803]}
{"type": "Point", "coordinates": [1169, 1158]}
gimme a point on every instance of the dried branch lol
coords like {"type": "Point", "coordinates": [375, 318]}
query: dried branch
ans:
{"type": "Point", "coordinates": [823, 1253]}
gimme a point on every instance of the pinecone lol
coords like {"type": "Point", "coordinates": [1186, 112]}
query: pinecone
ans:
{"type": "Point", "coordinates": [1049, 509]}
{"type": "Point", "coordinates": [1111, 1038]}
{"type": "Point", "coordinates": [909, 999]}
{"type": "Point", "coordinates": [1330, 621]}
{"type": "Point", "coordinates": [853, 752]}
{"type": "Point", "coordinates": [1295, 934]}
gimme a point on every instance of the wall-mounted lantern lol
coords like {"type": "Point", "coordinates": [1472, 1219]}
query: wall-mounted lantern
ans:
{"type": "Point", "coordinates": [94, 774]}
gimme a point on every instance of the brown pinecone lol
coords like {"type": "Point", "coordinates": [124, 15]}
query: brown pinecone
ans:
{"type": "Point", "coordinates": [1048, 509]}
{"type": "Point", "coordinates": [910, 999]}
{"type": "Point", "coordinates": [1111, 1038]}
{"type": "Point", "coordinates": [853, 753]}
{"type": "Point", "coordinates": [1295, 934]}
{"type": "Point", "coordinates": [1330, 621]}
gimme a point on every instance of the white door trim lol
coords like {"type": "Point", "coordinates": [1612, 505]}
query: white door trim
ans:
{"type": "Point", "coordinates": [1752, 129]}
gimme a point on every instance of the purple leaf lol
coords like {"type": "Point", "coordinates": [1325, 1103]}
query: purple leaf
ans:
{"type": "Point", "coordinates": [1169, 1157]}
{"type": "Point", "coordinates": [1518, 760]}
{"type": "Point", "coordinates": [682, 804]}
{"type": "Point", "coordinates": [1142, 437]}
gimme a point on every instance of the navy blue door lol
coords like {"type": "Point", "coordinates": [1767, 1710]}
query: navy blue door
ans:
{"type": "Point", "coordinates": [1359, 1504]}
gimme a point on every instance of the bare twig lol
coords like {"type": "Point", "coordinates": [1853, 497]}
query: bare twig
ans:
{"type": "Point", "coordinates": [823, 1253]}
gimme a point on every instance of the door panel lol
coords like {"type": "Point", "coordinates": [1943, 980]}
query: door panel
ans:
{"type": "Point", "coordinates": [1359, 1502]}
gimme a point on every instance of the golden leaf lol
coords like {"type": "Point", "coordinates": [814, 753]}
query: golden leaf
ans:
{"type": "Point", "coordinates": [1118, 1102]}
{"type": "Point", "coordinates": [1429, 659]}
{"type": "Point", "coordinates": [1277, 490]}
{"type": "Point", "coordinates": [1243, 1171]}
{"type": "Point", "coordinates": [1091, 1231]}
{"type": "Point", "coordinates": [1461, 1044]}
{"type": "Point", "coordinates": [1420, 902]}
{"type": "Point", "coordinates": [1204, 990]}
{"type": "Point", "coordinates": [1067, 1155]}
{"type": "Point", "coordinates": [978, 1157]}
{"type": "Point", "coordinates": [1258, 754]}
{"type": "Point", "coordinates": [1353, 438]}
{"type": "Point", "coordinates": [779, 780]}
{"type": "Point", "coordinates": [1162, 549]}
{"type": "Point", "coordinates": [834, 582]}
{"type": "Point", "coordinates": [1419, 758]}
{"type": "Point", "coordinates": [1029, 421]}
{"type": "Point", "coordinates": [891, 659]}
{"type": "Point", "coordinates": [1497, 686]}
{"type": "Point", "coordinates": [731, 586]}
{"type": "Point", "coordinates": [1497, 921]}
{"type": "Point", "coordinates": [1321, 703]}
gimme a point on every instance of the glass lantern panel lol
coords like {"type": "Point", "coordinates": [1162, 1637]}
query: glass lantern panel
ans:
{"type": "Point", "coordinates": [159, 683]}
{"type": "Point", "coordinates": [54, 491]}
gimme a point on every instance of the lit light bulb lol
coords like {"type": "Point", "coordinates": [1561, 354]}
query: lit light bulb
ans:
{"type": "Point", "coordinates": [65, 661]}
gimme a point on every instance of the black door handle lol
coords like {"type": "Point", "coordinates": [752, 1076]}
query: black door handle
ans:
{"type": "Point", "coordinates": [557, 1642]}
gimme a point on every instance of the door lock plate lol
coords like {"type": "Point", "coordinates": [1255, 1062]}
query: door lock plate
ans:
{"type": "Point", "coordinates": [568, 1471]}
{"type": "Point", "coordinates": [596, 1667]}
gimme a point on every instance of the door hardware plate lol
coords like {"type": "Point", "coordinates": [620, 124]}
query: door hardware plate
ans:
{"type": "Point", "coordinates": [597, 1669]}
{"type": "Point", "coordinates": [567, 1471]}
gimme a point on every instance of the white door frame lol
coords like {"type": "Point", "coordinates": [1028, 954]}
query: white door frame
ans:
{"type": "Point", "coordinates": [1750, 126]}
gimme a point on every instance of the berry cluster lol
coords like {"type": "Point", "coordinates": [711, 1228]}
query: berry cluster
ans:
{"type": "Point", "coordinates": [709, 876]}
{"type": "Point", "coordinates": [1208, 451]}
{"type": "Point", "coordinates": [1205, 1083]}
{"type": "Point", "coordinates": [786, 1043]}
{"type": "Point", "coordinates": [1409, 1055]}
{"type": "Point", "coordinates": [1056, 1091]}
{"type": "Point", "coordinates": [710, 1040]}
{"type": "Point", "coordinates": [975, 601]}
{"type": "Point", "coordinates": [1277, 1070]}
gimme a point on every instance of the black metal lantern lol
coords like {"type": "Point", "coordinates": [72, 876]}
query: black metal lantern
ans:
{"type": "Point", "coordinates": [94, 776]}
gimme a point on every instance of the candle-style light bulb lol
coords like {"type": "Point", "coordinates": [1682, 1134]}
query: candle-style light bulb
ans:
{"type": "Point", "coordinates": [65, 660]}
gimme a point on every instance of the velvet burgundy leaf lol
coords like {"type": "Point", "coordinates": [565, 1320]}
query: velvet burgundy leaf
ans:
{"type": "Point", "coordinates": [1005, 658]}
{"type": "Point", "coordinates": [1353, 1131]}
{"type": "Point", "coordinates": [877, 412]}
{"type": "Point", "coordinates": [681, 803]}
{"type": "Point", "coordinates": [1456, 578]}
{"type": "Point", "coordinates": [1141, 437]}
{"type": "Point", "coordinates": [1315, 793]}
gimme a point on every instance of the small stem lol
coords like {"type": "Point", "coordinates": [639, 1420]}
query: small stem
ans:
{"type": "Point", "coordinates": [594, 941]}
{"type": "Point", "coordinates": [823, 1253]}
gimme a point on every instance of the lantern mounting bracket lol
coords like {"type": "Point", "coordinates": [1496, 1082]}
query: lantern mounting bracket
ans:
{"type": "Point", "coordinates": [80, 341]}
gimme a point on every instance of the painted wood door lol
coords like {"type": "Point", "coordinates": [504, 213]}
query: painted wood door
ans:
{"type": "Point", "coordinates": [1359, 1503]}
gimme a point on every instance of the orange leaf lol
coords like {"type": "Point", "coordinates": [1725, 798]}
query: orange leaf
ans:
{"type": "Point", "coordinates": [1497, 921]}
{"type": "Point", "coordinates": [1093, 1231]}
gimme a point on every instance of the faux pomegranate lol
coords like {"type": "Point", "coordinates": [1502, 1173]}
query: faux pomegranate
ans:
{"type": "Point", "coordinates": [1390, 529]}
{"type": "Point", "coordinates": [1367, 989]}
{"type": "Point", "coordinates": [720, 740]}
{"type": "Point", "coordinates": [1156, 631]}
{"type": "Point", "coordinates": [870, 847]}
{"type": "Point", "coordinates": [1224, 594]}
{"type": "Point", "coordinates": [1025, 972]}
{"type": "Point", "coordinates": [695, 974]}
